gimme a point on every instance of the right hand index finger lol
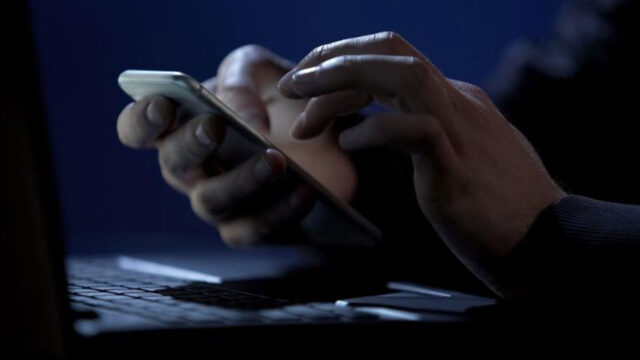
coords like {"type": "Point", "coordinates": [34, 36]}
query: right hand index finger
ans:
{"type": "Point", "coordinates": [382, 43]}
{"type": "Point", "coordinates": [141, 123]}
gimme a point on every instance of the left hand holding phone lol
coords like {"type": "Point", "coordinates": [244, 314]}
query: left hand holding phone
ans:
{"type": "Point", "coordinates": [188, 158]}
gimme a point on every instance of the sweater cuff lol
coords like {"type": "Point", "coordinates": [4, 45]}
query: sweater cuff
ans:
{"type": "Point", "coordinates": [578, 248]}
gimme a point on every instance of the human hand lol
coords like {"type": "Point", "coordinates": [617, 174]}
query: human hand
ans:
{"type": "Point", "coordinates": [246, 202]}
{"type": "Point", "coordinates": [476, 177]}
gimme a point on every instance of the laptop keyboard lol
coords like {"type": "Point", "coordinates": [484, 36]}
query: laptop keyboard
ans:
{"type": "Point", "coordinates": [100, 284]}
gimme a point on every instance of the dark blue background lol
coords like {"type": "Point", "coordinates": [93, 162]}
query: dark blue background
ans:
{"type": "Point", "coordinates": [113, 198]}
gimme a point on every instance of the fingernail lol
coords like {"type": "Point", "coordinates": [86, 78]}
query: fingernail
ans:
{"type": "Point", "coordinates": [154, 114]}
{"type": "Point", "coordinates": [202, 136]}
{"type": "Point", "coordinates": [298, 126]}
{"type": "Point", "coordinates": [263, 169]}
{"type": "Point", "coordinates": [304, 75]}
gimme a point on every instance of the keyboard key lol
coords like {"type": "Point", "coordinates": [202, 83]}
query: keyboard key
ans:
{"type": "Point", "coordinates": [152, 287]}
{"type": "Point", "coordinates": [149, 295]}
{"type": "Point", "coordinates": [92, 293]}
{"type": "Point", "coordinates": [279, 316]}
{"type": "Point", "coordinates": [310, 313]}
{"type": "Point", "coordinates": [112, 297]}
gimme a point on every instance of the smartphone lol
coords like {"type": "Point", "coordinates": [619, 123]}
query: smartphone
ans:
{"type": "Point", "coordinates": [332, 221]}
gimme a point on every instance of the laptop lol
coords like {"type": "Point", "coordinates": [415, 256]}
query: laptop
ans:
{"type": "Point", "coordinates": [58, 305]}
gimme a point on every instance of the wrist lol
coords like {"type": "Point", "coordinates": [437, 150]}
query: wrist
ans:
{"type": "Point", "coordinates": [509, 275]}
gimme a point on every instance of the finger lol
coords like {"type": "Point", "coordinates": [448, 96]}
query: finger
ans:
{"type": "Point", "coordinates": [220, 195]}
{"type": "Point", "coordinates": [432, 150]}
{"type": "Point", "coordinates": [411, 84]}
{"type": "Point", "coordinates": [414, 133]}
{"type": "Point", "coordinates": [182, 152]}
{"type": "Point", "coordinates": [405, 77]}
{"type": "Point", "coordinates": [243, 80]}
{"type": "Point", "coordinates": [211, 84]}
{"type": "Point", "coordinates": [254, 228]}
{"type": "Point", "coordinates": [383, 43]}
{"type": "Point", "coordinates": [256, 55]}
{"type": "Point", "coordinates": [324, 109]}
{"type": "Point", "coordinates": [142, 122]}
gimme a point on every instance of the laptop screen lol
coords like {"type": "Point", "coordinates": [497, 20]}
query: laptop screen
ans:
{"type": "Point", "coordinates": [113, 198]}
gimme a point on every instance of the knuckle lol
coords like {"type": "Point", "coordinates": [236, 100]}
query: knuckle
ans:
{"type": "Point", "coordinates": [233, 88]}
{"type": "Point", "coordinates": [251, 49]}
{"type": "Point", "coordinates": [417, 74]}
{"type": "Point", "coordinates": [468, 88]}
{"type": "Point", "coordinates": [168, 163]}
{"type": "Point", "coordinates": [476, 90]}
{"type": "Point", "coordinates": [418, 66]}
{"type": "Point", "coordinates": [251, 57]}
{"type": "Point", "coordinates": [202, 204]}
{"type": "Point", "coordinates": [392, 39]}
{"type": "Point", "coordinates": [247, 51]}
{"type": "Point", "coordinates": [393, 36]}
{"type": "Point", "coordinates": [342, 61]}
{"type": "Point", "coordinates": [347, 60]}
{"type": "Point", "coordinates": [176, 183]}
{"type": "Point", "coordinates": [319, 52]}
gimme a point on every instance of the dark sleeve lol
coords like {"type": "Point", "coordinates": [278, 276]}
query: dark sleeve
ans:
{"type": "Point", "coordinates": [580, 251]}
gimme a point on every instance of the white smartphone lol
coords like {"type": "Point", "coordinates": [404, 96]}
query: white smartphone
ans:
{"type": "Point", "coordinates": [331, 222]}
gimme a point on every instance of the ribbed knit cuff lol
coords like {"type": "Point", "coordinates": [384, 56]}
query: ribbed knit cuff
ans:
{"type": "Point", "coordinates": [577, 249]}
